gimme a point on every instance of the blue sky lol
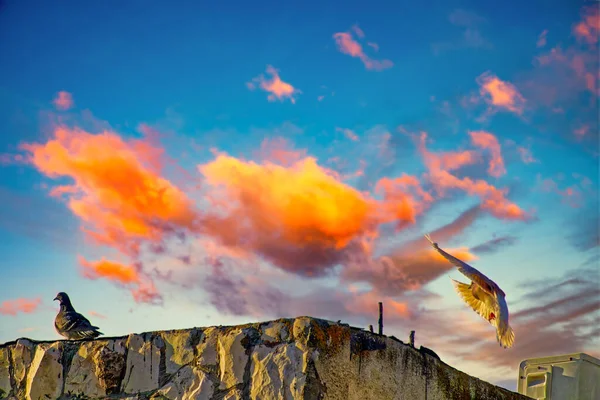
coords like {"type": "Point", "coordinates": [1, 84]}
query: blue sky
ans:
{"type": "Point", "coordinates": [193, 81]}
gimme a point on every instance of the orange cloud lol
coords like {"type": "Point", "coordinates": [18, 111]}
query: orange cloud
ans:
{"type": "Point", "coordinates": [365, 303]}
{"type": "Point", "coordinates": [124, 274]}
{"type": "Point", "coordinates": [118, 194]}
{"type": "Point", "coordinates": [404, 198]}
{"type": "Point", "coordinates": [541, 42]}
{"type": "Point", "coordinates": [347, 45]}
{"type": "Point", "coordinates": [588, 28]}
{"type": "Point", "coordinates": [500, 94]}
{"type": "Point", "coordinates": [260, 203]}
{"type": "Point", "coordinates": [63, 101]}
{"type": "Point", "coordinates": [141, 286]}
{"type": "Point", "coordinates": [278, 89]}
{"type": "Point", "coordinates": [492, 199]}
{"type": "Point", "coordinates": [271, 195]}
{"type": "Point", "coordinates": [117, 190]}
{"type": "Point", "coordinates": [13, 307]}
{"type": "Point", "coordinates": [486, 140]}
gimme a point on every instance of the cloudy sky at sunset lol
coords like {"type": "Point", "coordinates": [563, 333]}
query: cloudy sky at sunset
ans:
{"type": "Point", "coordinates": [197, 164]}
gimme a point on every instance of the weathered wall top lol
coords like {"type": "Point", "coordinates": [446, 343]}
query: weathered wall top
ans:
{"type": "Point", "coordinates": [301, 358]}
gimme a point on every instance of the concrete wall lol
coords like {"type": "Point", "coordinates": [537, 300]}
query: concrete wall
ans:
{"type": "Point", "coordinates": [302, 358]}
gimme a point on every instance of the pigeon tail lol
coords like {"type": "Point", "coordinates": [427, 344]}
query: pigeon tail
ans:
{"type": "Point", "coordinates": [507, 338]}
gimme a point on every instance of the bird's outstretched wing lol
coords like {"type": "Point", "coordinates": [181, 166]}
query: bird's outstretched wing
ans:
{"type": "Point", "coordinates": [464, 291]}
{"type": "Point", "coordinates": [465, 268]}
{"type": "Point", "coordinates": [506, 336]}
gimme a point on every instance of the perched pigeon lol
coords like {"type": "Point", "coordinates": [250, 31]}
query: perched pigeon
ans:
{"type": "Point", "coordinates": [72, 325]}
{"type": "Point", "coordinates": [484, 296]}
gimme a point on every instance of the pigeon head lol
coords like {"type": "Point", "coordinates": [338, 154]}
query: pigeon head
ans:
{"type": "Point", "coordinates": [62, 297]}
{"type": "Point", "coordinates": [65, 302]}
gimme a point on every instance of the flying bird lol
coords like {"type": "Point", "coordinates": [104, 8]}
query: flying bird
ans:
{"type": "Point", "coordinates": [72, 325]}
{"type": "Point", "coordinates": [483, 295]}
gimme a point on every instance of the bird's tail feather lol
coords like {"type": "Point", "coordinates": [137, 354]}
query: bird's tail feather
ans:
{"type": "Point", "coordinates": [506, 338]}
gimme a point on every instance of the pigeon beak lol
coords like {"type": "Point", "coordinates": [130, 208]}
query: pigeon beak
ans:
{"type": "Point", "coordinates": [56, 298]}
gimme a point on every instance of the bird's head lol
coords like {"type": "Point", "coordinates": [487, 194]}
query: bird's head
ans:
{"type": "Point", "coordinates": [62, 297]}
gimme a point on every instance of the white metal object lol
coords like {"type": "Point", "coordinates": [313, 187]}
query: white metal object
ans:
{"type": "Point", "coordinates": [566, 377]}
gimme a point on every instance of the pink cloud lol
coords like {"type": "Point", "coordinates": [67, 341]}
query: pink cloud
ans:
{"type": "Point", "coordinates": [526, 155]}
{"type": "Point", "coordinates": [350, 134]}
{"type": "Point", "coordinates": [347, 45]}
{"type": "Point", "coordinates": [570, 195]}
{"type": "Point", "coordinates": [541, 41]}
{"type": "Point", "coordinates": [573, 68]}
{"type": "Point", "coordinates": [486, 140]}
{"type": "Point", "coordinates": [581, 132]}
{"type": "Point", "coordinates": [63, 101]}
{"type": "Point", "coordinates": [28, 329]}
{"type": "Point", "coordinates": [278, 89]}
{"type": "Point", "coordinates": [96, 314]}
{"type": "Point", "coordinates": [439, 167]}
{"type": "Point", "coordinates": [588, 29]}
{"type": "Point", "coordinates": [11, 159]}
{"type": "Point", "coordinates": [280, 151]}
{"type": "Point", "coordinates": [13, 307]}
{"type": "Point", "coordinates": [500, 94]}
{"type": "Point", "coordinates": [373, 45]}
{"type": "Point", "coordinates": [359, 32]}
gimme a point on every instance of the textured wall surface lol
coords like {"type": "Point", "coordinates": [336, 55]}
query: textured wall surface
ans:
{"type": "Point", "coordinates": [301, 358]}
